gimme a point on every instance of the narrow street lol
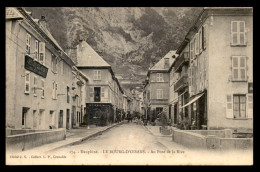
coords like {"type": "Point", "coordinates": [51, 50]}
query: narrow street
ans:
{"type": "Point", "coordinates": [129, 136]}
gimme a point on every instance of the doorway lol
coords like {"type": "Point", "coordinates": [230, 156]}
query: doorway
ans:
{"type": "Point", "coordinates": [175, 114]}
{"type": "Point", "coordinates": [61, 119]}
{"type": "Point", "coordinates": [97, 94]}
{"type": "Point", "coordinates": [24, 116]}
{"type": "Point", "coordinates": [67, 119]}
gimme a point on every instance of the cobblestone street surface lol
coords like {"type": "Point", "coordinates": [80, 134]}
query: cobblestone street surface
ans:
{"type": "Point", "coordinates": [128, 143]}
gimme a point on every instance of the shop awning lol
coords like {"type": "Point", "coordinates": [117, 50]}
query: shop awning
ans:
{"type": "Point", "coordinates": [193, 100]}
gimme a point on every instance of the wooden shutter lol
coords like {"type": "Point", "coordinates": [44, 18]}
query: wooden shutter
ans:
{"type": "Point", "coordinates": [234, 33]}
{"type": "Point", "coordinates": [42, 88]}
{"type": "Point", "coordinates": [27, 82]}
{"type": "Point", "coordinates": [36, 50]}
{"type": "Point", "coordinates": [235, 68]}
{"type": "Point", "coordinates": [250, 105]}
{"type": "Point", "coordinates": [243, 70]}
{"type": "Point", "coordinates": [42, 52]}
{"type": "Point", "coordinates": [229, 106]}
{"type": "Point", "coordinates": [204, 36]}
{"type": "Point", "coordinates": [241, 32]}
{"type": "Point", "coordinates": [56, 90]}
{"type": "Point", "coordinates": [200, 40]}
{"type": "Point", "coordinates": [196, 44]}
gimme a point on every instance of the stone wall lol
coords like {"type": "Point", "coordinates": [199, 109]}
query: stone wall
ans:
{"type": "Point", "coordinates": [21, 142]}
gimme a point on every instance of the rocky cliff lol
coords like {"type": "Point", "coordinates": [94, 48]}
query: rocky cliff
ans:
{"type": "Point", "coordinates": [130, 39]}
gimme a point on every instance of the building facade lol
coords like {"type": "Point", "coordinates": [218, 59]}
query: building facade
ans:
{"type": "Point", "coordinates": [219, 47]}
{"type": "Point", "coordinates": [38, 75]}
{"type": "Point", "coordinates": [104, 98]}
{"type": "Point", "coordinates": [157, 86]}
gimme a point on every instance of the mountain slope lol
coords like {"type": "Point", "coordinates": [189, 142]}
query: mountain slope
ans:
{"type": "Point", "coordinates": [129, 39]}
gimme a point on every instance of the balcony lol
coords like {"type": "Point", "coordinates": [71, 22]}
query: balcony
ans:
{"type": "Point", "coordinates": [181, 83]}
{"type": "Point", "coordinates": [182, 60]}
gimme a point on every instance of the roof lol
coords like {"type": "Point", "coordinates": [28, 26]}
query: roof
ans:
{"type": "Point", "coordinates": [160, 65]}
{"type": "Point", "coordinates": [12, 13]}
{"type": "Point", "coordinates": [87, 57]}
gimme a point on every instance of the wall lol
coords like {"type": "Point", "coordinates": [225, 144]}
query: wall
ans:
{"type": "Point", "coordinates": [21, 142]}
{"type": "Point", "coordinates": [220, 53]}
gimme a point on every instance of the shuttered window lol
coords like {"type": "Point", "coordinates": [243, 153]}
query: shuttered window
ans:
{"type": "Point", "coordinates": [250, 105]}
{"type": "Point", "coordinates": [192, 49]}
{"type": "Point", "coordinates": [36, 50]}
{"type": "Point", "coordinates": [28, 43]}
{"type": "Point", "coordinates": [239, 106]}
{"type": "Point", "coordinates": [238, 34]}
{"type": "Point", "coordinates": [196, 40]}
{"type": "Point", "coordinates": [42, 52]}
{"type": "Point", "coordinates": [102, 92]}
{"type": "Point", "coordinates": [34, 85]}
{"type": "Point", "coordinates": [204, 36]}
{"type": "Point", "coordinates": [27, 82]}
{"type": "Point", "coordinates": [200, 40]}
{"type": "Point", "coordinates": [229, 106]}
{"type": "Point", "coordinates": [239, 69]}
{"type": "Point", "coordinates": [43, 88]}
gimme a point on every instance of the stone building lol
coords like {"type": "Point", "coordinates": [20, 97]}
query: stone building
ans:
{"type": "Point", "coordinates": [38, 75]}
{"type": "Point", "coordinates": [104, 95]}
{"type": "Point", "coordinates": [219, 52]}
{"type": "Point", "coordinates": [157, 86]}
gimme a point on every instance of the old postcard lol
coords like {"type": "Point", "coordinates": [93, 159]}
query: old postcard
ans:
{"type": "Point", "coordinates": [129, 85]}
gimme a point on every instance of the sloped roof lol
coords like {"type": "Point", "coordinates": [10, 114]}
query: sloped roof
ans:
{"type": "Point", "coordinates": [87, 57]}
{"type": "Point", "coordinates": [160, 65]}
{"type": "Point", "coordinates": [12, 13]}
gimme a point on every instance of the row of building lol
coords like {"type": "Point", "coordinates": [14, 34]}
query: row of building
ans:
{"type": "Point", "coordinates": [47, 87]}
{"type": "Point", "coordinates": [208, 80]}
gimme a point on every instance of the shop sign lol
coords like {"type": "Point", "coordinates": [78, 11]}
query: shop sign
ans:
{"type": "Point", "coordinates": [35, 66]}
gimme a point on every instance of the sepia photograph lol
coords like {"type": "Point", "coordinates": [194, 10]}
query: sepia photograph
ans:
{"type": "Point", "coordinates": [129, 86]}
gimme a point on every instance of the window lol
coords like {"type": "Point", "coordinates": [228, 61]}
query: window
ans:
{"type": "Point", "coordinates": [68, 97]}
{"type": "Point", "coordinates": [97, 75]}
{"type": "Point", "coordinates": [192, 49]}
{"type": "Point", "coordinates": [159, 93]}
{"type": "Point", "coordinates": [27, 82]}
{"type": "Point", "coordinates": [54, 90]}
{"type": "Point", "coordinates": [61, 67]}
{"type": "Point", "coordinates": [239, 106]}
{"type": "Point", "coordinates": [250, 105]}
{"type": "Point", "coordinates": [200, 40]}
{"type": "Point", "coordinates": [159, 77]}
{"type": "Point", "coordinates": [54, 63]}
{"type": "Point", "coordinates": [239, 68]}
{"type": "Point", "coordinates": [28, 43]}
{"type": "Point", "coordinates": [36, 51]}
{"type": "Point", "coordinates": [34, 85]}
{"type": "Point", "coordinates": [43, 88]}
{"type": "Point", "coordinates": [238, 33]}
{"type": "Point", "coordinates": [42, 52]}
{"type": "Point", "coordinates": [196, 40]}
{"type": "Point", "coordinates": [204, 36]}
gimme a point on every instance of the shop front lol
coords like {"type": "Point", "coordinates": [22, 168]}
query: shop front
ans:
{"type": "Point", "coordinates": [99, 114]}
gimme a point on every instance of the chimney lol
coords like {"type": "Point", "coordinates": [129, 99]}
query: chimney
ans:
{"type": "Point", "coordinates": [43, 22]}
{"type": "Point", "coordinates": [166, 63]}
